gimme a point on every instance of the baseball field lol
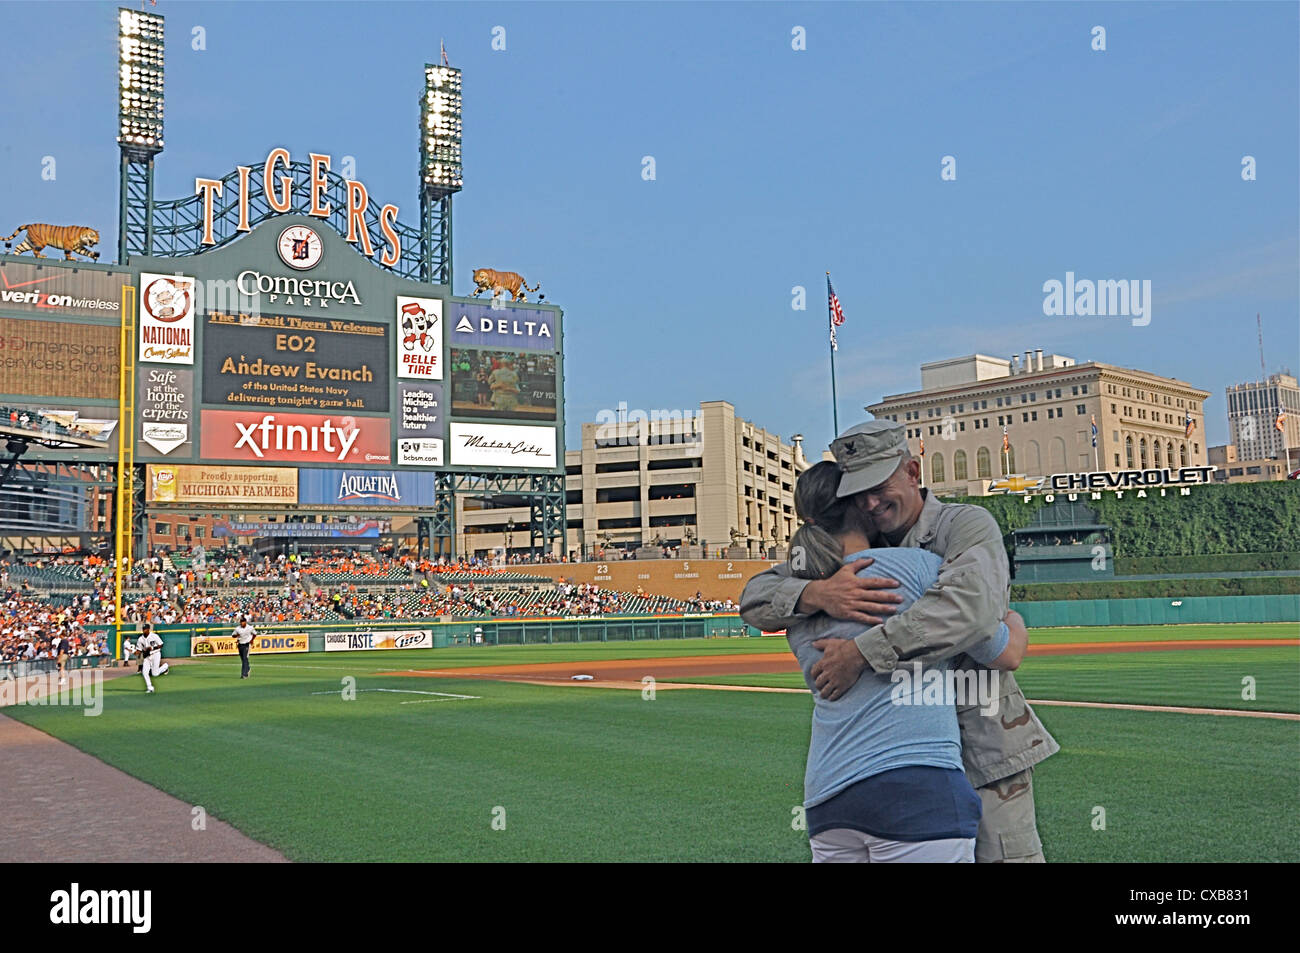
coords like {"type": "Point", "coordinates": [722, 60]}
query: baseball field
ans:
{"type": "Point", "coordinates": [1178, 743]}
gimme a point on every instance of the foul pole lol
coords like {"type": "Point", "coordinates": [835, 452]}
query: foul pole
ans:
{"type": "Point", "coordinates": [124, 510]}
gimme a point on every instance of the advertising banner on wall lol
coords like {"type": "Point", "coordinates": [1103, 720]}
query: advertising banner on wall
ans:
{"type": "Point", "coordinates": [294, 438]}
{"type": "Point", "coordinates": [365, 487]}
{"type": "Point", "coordinates": [508, 328]}
{"type": "Point", "coordinates": [170, 483]}
{"type": "Point", "coordinates": [376, 641]}
{"type": "Point", "coordinates": [509, 385]}
{"type": "Point", "coordinates": [501, 445]}
{"type": "Point", "coordinates": [59, 359]}
{"type": "Point", "coordinates": [274, 360]}
{"type": "Point", "coordinates": [271, 644]}
{"type": "Point", "coordinates": [419, 452]}
{"type": "Point", "coordinates": [421, 410]}
{"type": "Point", "coordinates": [55, 289]}
{"type": "Point", "coordinates": [369, 529]}
{"type": "Point", "coordinates": [98, 425]}
{"type": "Point", "coordinates": [419, 338]}
{"type": "Point", "coordinates": [166, 408]}
{"type": "Point", "coordinates": [166, 319]}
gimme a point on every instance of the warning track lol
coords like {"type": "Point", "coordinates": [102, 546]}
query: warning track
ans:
{"type": "Point", "coordinates": [629, 672]}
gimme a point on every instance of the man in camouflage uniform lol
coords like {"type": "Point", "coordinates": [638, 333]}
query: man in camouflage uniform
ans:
{"type": "Point", "coordinates": [964, 607]}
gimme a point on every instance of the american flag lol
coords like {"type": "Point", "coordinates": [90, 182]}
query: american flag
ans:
{"type": "Point", "coordinates": [837, 313]}
{"type": "Point", "coordinates": [1188, 425]}
{"type": "Point", "coordinates": [1094, 430]}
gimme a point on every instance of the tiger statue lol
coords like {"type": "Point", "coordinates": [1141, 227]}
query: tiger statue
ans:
{"type": "Point", "coordinates": [67, 238]}
{"type": "Point", "coordinates": [485, 279]}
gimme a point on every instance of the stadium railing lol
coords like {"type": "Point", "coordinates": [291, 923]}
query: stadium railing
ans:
{"type": "Point", "coordinates": [26, 667]}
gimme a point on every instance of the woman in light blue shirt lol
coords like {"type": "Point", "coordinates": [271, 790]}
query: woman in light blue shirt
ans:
{"type": "Point", "coordinates": [884, 781]}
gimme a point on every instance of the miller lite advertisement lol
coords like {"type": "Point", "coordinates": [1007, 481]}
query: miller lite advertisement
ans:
{"type": "Point", "coordinates": [166, 319]}
{"type": "Point", "coordinates": [419, 338]}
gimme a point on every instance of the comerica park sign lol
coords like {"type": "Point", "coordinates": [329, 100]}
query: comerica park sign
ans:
{"type": "Point", "coordinates": [1097, 482]}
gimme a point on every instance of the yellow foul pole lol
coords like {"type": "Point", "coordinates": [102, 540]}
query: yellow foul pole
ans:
{"type": "Point", "coordinates": [124, 510]}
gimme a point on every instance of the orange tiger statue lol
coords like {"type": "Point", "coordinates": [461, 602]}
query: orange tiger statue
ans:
{"type": "Point", "coordinates": [67, 238]}
{"type": "Point", "coordinates": [485, 279]}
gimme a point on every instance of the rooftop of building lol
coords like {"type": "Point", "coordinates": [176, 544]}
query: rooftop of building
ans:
{"type": "Point", "coordinates": [958, 375]}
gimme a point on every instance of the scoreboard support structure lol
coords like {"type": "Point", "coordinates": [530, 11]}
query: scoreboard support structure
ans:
{"type": "Point", "coordinates": [546, 504]}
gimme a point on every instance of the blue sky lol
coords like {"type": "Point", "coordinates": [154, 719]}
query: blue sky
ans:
{"type": "Point", "coordinates": [773, 166]}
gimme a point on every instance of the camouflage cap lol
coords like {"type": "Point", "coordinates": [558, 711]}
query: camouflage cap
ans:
{"type": "Point", "coordinates": [868, 455]}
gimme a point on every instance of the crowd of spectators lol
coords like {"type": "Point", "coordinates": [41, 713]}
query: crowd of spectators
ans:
{"type": "Point", "coordinates": [62, 594]}
{"type": "Point", "coordinates": [29, 625]}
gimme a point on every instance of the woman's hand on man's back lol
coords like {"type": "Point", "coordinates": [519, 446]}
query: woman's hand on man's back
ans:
{"type": "Point", "coordinates": [847, 596]}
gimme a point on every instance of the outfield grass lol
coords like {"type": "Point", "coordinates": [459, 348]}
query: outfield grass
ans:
{"type": "Point", "coordinates": [1201, 678]}
{"type": "Point", "coordinates": [601, 774]}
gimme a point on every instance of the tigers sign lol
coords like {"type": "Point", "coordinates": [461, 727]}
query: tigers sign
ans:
{"type": "Point", "coordinates": [280, 180]}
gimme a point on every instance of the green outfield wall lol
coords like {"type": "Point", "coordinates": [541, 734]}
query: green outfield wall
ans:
{"type": "Point", "coordinates": [177, 639]}
{"type": "Point", "coordinates": [1192, 610]}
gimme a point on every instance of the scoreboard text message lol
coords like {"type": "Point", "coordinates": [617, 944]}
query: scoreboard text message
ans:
{"type": "Point", "coordinates": [281, 361]}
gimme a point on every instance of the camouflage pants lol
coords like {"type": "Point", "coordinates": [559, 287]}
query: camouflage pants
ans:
{"type": "Point", "coordinates": [1008, 832]}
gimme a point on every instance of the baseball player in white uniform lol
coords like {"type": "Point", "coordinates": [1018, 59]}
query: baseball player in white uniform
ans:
{"type": "Point", "coordinates": [150, 646]}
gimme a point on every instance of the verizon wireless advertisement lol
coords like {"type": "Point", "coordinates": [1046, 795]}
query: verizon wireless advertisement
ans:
{"type": "Point", "coordinates": [294, 438]}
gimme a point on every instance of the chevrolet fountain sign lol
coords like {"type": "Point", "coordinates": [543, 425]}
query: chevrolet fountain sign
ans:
{"type": "Point", "coordinates": [1094, 483]}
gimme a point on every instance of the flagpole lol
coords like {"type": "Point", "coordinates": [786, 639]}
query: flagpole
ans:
{"type": "Point", "coordinates": [835, 411]}
{"type": "Point", "coordinates": [1286, 451]}
{"type": "Point", "coordinates": [830, 319]}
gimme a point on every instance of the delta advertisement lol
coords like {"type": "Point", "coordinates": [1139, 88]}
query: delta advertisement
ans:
{"type": "Point", "coordinates": [481, 325]}
{"type": "Point", "coordinates": [387, 640]}
{"type": "Point", "coordinates": [337, 487]}
{"type": "Point", "coordinates": [166, 319]}
{"type": "Point", "coordinates": [294, 438]}
{"type": "Point", "coordinates": [180, 483]}
{"type": "Point", "coordinates": [276, 643]}
{"type": "Point", "coordinates": [64, 359]}
{"type": "Point", "coordinates": [281, 361]}
{"type": "Point", "coordinates": [166, 407]}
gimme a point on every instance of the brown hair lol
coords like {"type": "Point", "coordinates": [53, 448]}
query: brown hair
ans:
{"type": "Point", "coordinates": [815, 552]}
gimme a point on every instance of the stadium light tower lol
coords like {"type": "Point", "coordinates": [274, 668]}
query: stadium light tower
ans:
{"type": "Point", "coordinates": [139, 125]}
{"type": "Point", "coordinates": [440, 167]}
